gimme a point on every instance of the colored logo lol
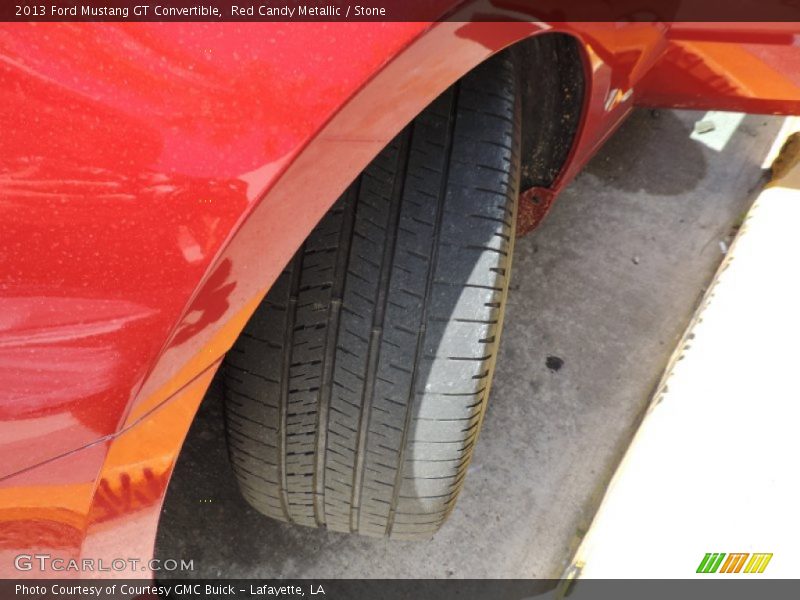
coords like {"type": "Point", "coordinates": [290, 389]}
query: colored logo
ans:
{"type": "Point", "coordinates": [713, 562]}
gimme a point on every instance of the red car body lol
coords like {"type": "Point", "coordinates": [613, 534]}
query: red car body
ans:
{"type": "Point", "coordinates": [155, 179]}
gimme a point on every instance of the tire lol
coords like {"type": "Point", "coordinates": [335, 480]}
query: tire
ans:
{"type": "Point", "coordinates": [356, 392]}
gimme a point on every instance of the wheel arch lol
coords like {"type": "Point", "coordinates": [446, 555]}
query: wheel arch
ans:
{"type": "Point", "coordinates": [340, 151]}
{"type": "Point", "coordinates": [554, 93]}
{"type": "Point", "coordinates": [246, 271]}
{"type": "Point", "coordinates": [558, 95]}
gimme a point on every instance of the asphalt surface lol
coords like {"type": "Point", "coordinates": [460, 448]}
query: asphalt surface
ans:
{"type": "Point", "coordinates": [601, 293]}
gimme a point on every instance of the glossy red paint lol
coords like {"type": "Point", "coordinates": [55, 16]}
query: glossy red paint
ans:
{"type": "Point", "coordinates": [155, 179]}
{"type": "Point", "coordinates": [746, 67]}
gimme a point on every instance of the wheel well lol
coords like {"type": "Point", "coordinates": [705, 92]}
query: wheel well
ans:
{"type": "Point", "coordinates": [553, 89]}
{"type": "Point", "coordinates": [554, 81]}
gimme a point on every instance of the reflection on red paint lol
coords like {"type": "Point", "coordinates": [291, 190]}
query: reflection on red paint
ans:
{"type": "Point", "coordinates": [50, 534]}
{"type": "Point", "coordinates": [83, 505]}
{"type": "Point", "coordinates": [128, 493]}
{"type": "Point", "coordinates": [747, 77]}
{"type": "Point", "coordinates": [214, 305]}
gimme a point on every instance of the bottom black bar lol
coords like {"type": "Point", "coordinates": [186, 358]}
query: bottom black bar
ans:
{"type": "Point", "coordinates": [400, 589]}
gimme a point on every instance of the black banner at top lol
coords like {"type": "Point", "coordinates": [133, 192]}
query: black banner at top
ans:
{"type": "Point", "coordinates": [401, 10]}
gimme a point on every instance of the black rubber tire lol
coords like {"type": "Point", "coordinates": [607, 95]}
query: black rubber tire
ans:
{"type": "Point", "coordinates": [355, 394]}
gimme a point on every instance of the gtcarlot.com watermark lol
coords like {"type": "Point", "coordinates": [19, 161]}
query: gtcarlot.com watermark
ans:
{"type": "Point", "coordinates": [47, 562]}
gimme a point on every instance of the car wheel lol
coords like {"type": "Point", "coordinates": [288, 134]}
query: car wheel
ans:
{"type": "Point", "coordinates": [356, 392]}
